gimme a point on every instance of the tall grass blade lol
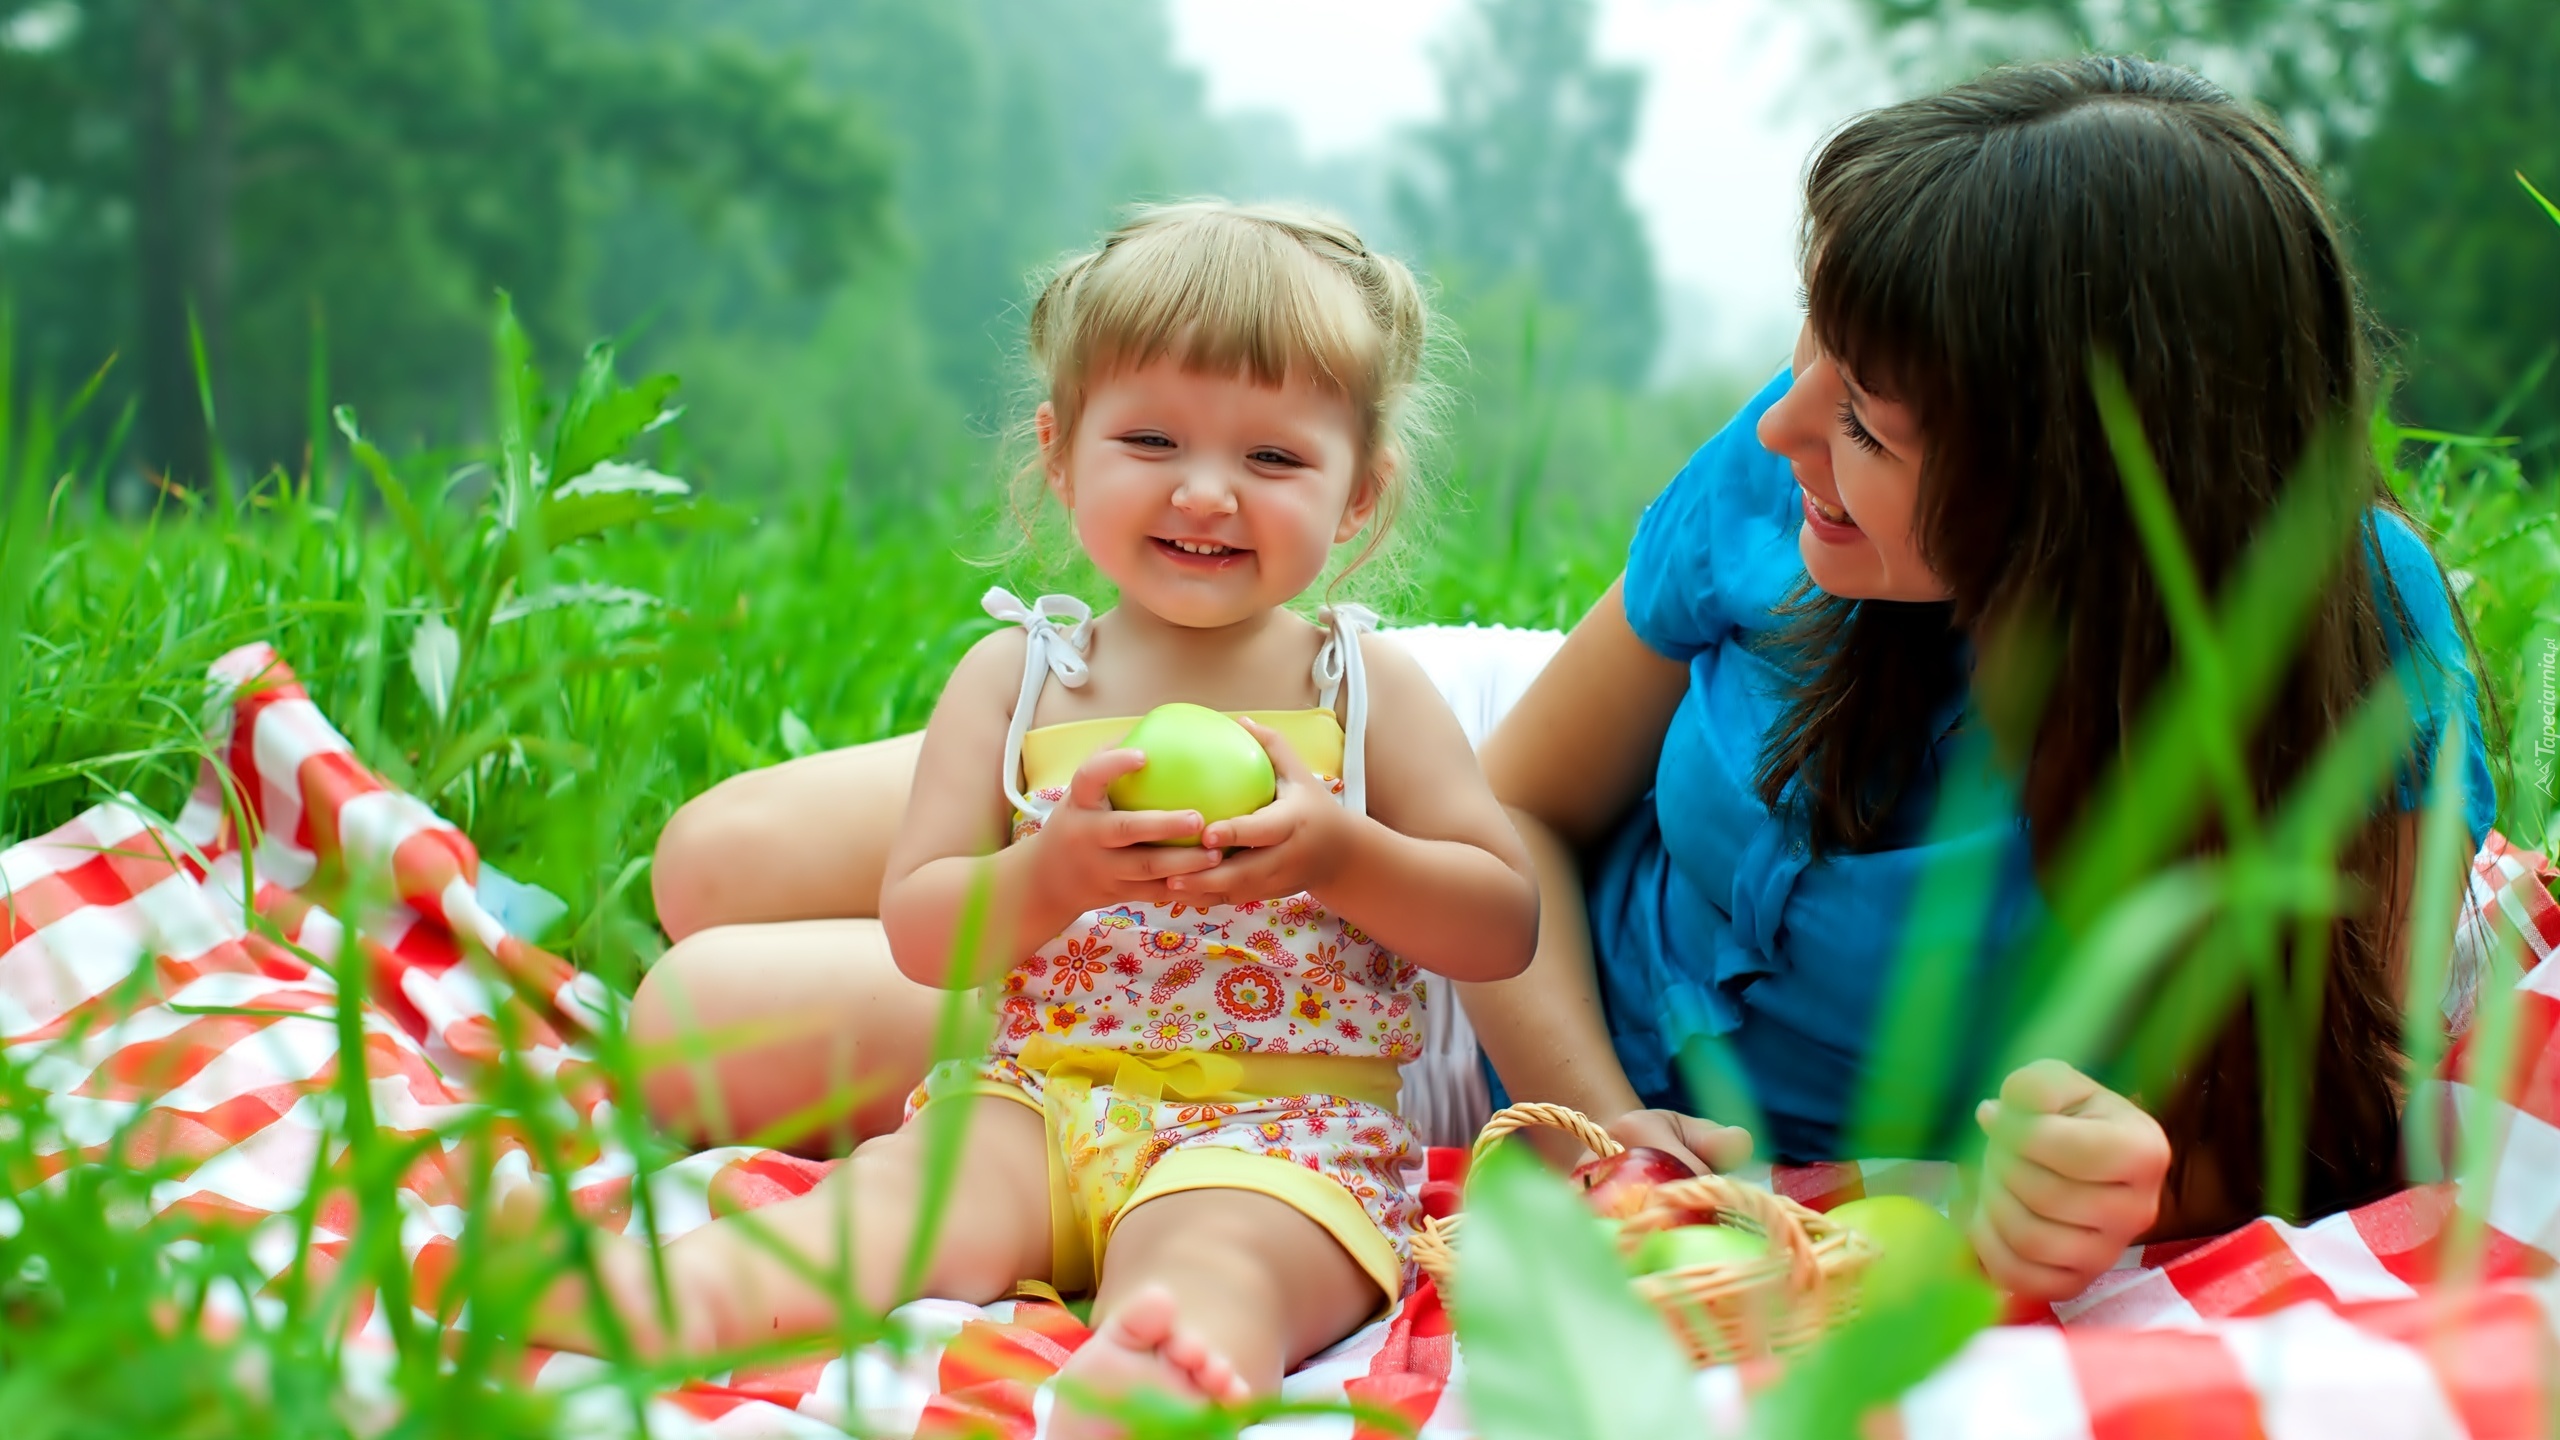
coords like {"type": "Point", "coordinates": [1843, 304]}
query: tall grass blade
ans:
{"type": "Point", "coordinates": [26, 457]}
{"type": "Point", "coordinates": [2438, 887]}
{"type": "Point", "coordinates": [1936, 968]}
{"type": "Point", "coordinates": [2199, 642]}
{"type": "Point", "coordinates": [1557, 1346]}
{"type": "Point", "coordinates": [2539, 198]}
{"type": "Point", "coordinates": [960, 1037]}
{"type": "Point", "coordinates": [220, 476]}
{"type": "Point", "coordinates": [315, 420]}
{"type": "Point", "coordinates": [2487, 1095]}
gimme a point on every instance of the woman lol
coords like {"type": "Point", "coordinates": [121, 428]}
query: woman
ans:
{"type": "Point", "coordinates": [1744, 741]}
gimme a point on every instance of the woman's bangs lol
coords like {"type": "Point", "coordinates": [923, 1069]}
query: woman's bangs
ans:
{"type": "Point", "coordinates": [1864, 312]}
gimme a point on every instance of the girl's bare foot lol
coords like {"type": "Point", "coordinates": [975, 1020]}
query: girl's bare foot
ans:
{"type": "Point", "coordinates": [565, 1317]}
{"type": "Point", "coordinates": [1140, 1347]}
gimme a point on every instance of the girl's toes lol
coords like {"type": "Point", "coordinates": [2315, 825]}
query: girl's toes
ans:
{"type": "Point", "coordinates": [1146, 1322]}
{"type": "Point", "coordinates": [1218, 1380]}
{"type": "Point", "coordinates": [1206, 1369]}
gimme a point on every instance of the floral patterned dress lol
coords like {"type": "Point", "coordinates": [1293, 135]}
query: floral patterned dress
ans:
{"type": "Point", "coordinates": [1263, 978]}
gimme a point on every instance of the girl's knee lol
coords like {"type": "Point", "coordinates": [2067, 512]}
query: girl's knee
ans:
{"type": "Point", "coordinates": [667, 1002]}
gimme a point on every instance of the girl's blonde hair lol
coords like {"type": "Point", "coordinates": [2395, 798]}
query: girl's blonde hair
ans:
{"type": "Point", "coordinates": [1269, 292]}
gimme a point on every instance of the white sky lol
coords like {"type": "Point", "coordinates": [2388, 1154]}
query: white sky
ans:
{"type": "Point", "coordinates": [1733, 108]}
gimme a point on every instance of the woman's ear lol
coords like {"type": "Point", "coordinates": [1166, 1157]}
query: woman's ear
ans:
{"type": "Point", "coordinates": [1364, 498]}
{"type": "Point", "coordinates": [1053, 460]}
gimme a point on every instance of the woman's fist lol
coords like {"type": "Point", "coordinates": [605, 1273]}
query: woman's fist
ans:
{"type": "Point", "coordinates": [2072, 1177]}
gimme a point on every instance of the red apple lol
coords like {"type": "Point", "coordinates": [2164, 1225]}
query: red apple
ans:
{"type": "Point", "coordinates": [1440, 1198]}
{"type": "Point", "coordinates": [1616, 1185]}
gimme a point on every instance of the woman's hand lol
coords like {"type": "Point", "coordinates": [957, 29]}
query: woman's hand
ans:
{"type": "Point", "coordinates": [1707, 1146]}
{"type": "Point", "coordinates": [1088, 854]}
{"type": "Point", "coordinates": [2072, 1177]}
{"type": "Point", "coordinates": [1294, 843]}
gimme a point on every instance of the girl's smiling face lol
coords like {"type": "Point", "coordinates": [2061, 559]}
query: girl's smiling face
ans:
{"type": "Point", "coordinates": [1856, 457]}
{"type": "Point", "coordinates": [1207, 498]}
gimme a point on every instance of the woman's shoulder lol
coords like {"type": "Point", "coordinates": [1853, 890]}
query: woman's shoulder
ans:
{"type": "Point", "coordinates": [2427, 641]}
{"type": "Point", "coordinates": [1716, 550]}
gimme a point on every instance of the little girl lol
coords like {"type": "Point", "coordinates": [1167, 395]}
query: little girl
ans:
{"type": "Point", "coordinates": [1189, 1108]}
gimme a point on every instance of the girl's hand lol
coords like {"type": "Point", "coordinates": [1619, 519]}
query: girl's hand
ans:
{"type": "Point", "coordinates": [1088, 854]}
{"type": "Point", "coordinates": [1295, 843]}
{"type": "Point", "coordinates": [2072, 1177]}
{"type": "Point", "coordinates": [1706, 1145]}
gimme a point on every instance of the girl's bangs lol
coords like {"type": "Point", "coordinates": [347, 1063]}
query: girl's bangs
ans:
{"type": "Point", "coordinates": [1227, 300]}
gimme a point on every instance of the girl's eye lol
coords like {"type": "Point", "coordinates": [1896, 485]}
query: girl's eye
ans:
{"type": "Point", "coordinates": [1272, 457]}
{"type": "Point", "coordinates": [1153, 442]}
{"type": "Point", "coordinates": [1859, 435]}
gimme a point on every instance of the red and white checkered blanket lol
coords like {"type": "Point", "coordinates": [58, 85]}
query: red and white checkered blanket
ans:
{"type": "Point", "coordinates": [138, 995]}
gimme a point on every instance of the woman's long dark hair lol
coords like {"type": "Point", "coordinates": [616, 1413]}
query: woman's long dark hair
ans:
{"type": "Point", "coordinates": [1968, 254]}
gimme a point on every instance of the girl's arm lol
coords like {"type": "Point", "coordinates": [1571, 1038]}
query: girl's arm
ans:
{"type": "Point", "coordinates": [1434, 871]}
{"type": "Point", "coordinates": [951, 849]}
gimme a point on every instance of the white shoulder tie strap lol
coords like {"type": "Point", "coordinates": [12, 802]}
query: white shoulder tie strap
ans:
{"type": "Point", "coordinates": [1340, 670]}
{"type": "Point", "coordinates": [1052, 648]}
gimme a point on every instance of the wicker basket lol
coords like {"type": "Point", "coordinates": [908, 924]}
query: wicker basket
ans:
{"type": "Point", "coordinates": [1780, 1301]}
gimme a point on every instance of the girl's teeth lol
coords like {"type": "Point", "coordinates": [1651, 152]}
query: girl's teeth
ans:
{"type": "Point", "coordinates": [1193, 547]}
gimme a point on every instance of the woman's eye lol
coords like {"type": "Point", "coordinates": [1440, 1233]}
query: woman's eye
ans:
{"type": "Point", "coordinates": [1857, 431]}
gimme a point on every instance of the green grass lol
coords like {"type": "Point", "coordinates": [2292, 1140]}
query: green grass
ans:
{"type": "Point", "coordinates": [556, 672]}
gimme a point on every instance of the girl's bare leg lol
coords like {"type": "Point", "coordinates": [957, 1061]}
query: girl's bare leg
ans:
{"type": "Point", "coordinates": [1211, 1293]}
{"type": "Point", "coordinates": [801, 1034]}
{"type": "Point", "coordinates": [802, 840]}
{"type": "Point", "coordinates": [728, 1287]}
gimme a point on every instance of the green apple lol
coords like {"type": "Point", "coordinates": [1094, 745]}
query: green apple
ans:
{"type": "Point", "coordinates": [1197, 759]}
{"type": "Point", "coordinates": [1920, 1246]}
{"type": "Point", "coordinates": [1688, 1246]}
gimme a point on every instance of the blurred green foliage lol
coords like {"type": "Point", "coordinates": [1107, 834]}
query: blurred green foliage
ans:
{"type": "Point", "coordinates": [2421, 111]}
{"type": "Point", "coordinates": [555, 609]}
{"type": "Point", "coordinates": [1520, 184]}
{"type": "Point", "coordinates": [825, 215]}
{"type": "Point", "coordinates": [256, 169]}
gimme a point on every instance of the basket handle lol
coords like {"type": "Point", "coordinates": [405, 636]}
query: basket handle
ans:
{"type": "Point", "coordinates": [1772, 1214]}
{"type": "Point", "coordinates": [1557, 1117]}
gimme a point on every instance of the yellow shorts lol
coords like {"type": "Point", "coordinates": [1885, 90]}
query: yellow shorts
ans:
{"type": "Point", "coordinates": [1337, 1160]}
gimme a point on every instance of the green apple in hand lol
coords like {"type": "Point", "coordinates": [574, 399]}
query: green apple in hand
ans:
{"type": "Point", "coordinates": [1197, 759]}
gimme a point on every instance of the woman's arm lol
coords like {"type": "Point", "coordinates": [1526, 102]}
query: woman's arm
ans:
{"type": "Point", "coordinates": [1543, 1031]}
{"type": "Point", "coordinates": [1582, 743]}
{"type": "Point", "coordinates": [1568, 760]}
{"type": "Point", "coordinates": [803, 840]}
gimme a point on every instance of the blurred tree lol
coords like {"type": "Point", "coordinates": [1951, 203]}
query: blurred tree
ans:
{"type": "Point", "coordinates": [2422, 111]}
{"type": "Point", "coordinates": [1018, 129]}
{"type": "Point", "coordinates": [1522, 182]}
{"type": "Point", "coordinates": [259, 164]}
{"type": "Point", "coordinates": [2460, 259]}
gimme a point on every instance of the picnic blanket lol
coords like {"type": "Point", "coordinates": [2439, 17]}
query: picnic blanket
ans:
{"type": "Point", "coordinates": [157, 1017]}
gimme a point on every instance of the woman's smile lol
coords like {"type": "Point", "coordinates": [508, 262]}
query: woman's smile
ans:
{"type": "Point", "coordinates": [1829, 524]}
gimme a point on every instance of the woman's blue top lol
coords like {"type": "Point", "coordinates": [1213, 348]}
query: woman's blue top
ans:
{"type": "Point", "coordinates": [1710, 919]}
